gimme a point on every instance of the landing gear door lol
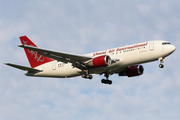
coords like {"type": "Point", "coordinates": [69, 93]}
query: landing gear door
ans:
{"type": "Point", "coordinates": [151, 46]}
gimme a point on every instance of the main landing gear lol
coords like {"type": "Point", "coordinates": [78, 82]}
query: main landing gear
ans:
{"type": "Point", "coordinates": [87, 76]}
{"type": "Point", "coordinates": [106, 81]}
{"type": "Point", "coordinates": [161, 61]}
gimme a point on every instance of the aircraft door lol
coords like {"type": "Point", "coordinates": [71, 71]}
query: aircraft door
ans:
{"type": "Point", "coordinates": [151, 46]}
{"type": "Point", "coordinates": [54, 66]}
{"type": "Point", "coordinates": [162, 48]}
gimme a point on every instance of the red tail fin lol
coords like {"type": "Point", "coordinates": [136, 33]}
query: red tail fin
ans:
{"type": "Point", "coordinates": [34, 58]}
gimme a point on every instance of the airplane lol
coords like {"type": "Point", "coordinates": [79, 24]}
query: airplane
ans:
{"type": "Point", "coordinates": [124, 61]}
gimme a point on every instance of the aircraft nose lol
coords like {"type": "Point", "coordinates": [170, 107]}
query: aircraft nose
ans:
{"type": "Point", "coordinates": [173, 48]}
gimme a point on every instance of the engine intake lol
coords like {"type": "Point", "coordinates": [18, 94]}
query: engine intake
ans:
{"type": "Point", "coordinates": [132, 71]}
{"type": "Point", "coordinates": [100, 61]}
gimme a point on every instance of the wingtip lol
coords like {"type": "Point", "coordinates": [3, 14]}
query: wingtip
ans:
{"type": "Point", "coordinates": [20, 45]}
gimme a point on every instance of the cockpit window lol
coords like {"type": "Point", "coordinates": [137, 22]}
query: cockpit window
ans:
{"type": "Point", "coordinates": [166, 43]}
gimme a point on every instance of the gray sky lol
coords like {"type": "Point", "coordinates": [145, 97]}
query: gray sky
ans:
{"type": "Point", "coordinates": [82, 27]}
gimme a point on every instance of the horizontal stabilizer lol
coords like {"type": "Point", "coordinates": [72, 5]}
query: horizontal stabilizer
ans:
{"type": "Point", "coordinates": [23, 67]}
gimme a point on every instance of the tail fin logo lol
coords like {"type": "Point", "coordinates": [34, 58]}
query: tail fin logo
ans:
{"type": "Point", "coordinates": [40, 58]}
{"type": "Point", "coordinates": [34, 57]}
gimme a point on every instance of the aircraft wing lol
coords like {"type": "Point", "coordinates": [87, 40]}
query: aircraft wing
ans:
{"type": "Point", "coordinates": [76, 60]}
{"type": "Point", "coordinates": [23, 67]}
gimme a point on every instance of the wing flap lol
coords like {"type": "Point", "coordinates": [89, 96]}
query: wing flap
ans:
{"type": "Point", "coordinates": [23, 67]}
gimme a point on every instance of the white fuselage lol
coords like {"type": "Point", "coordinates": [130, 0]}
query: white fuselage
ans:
{"type": "Point", "coordinates": [125, 56]}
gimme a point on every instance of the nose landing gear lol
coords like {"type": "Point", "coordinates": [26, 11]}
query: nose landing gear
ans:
{"type": "Point", "coordinates": [161, 61]}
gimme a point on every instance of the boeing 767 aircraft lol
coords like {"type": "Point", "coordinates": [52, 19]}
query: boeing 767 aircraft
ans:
{"type": "Point", "coordinates": [123, 61]}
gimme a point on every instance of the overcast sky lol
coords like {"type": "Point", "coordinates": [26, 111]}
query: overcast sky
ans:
{"type": "Point", "coordinates": [84, 26]}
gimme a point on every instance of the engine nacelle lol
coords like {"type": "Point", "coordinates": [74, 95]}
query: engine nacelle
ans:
{"type": "Point", "coordinates": [133, 71]}
{"type": "Point", "coordinates": [100, 61]}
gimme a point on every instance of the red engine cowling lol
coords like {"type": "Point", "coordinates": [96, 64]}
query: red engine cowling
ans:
{"type": "Point", "coordinates": [100, 61]}
{"type": "Point", "coordinates": [133, 71]}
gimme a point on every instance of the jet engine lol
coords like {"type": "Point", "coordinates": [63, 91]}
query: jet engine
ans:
{"type": "Point", "coordinates": [132, 71]}
{"type": "Point", "coordinates": [100, 61]}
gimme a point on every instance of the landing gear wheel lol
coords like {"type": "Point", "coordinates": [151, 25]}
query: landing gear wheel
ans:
{"type": "Point", "coordinates": [83, 75]}
{"type": "Point", "coordinates": [161, 65]}
{"type": "Point", "coordinates": [109, 82]}
{"type": "Point", "coordinates": [86, 76]}
{"type": "Point", "coordinates": [106, 81]}
{"type": "Point", "coordinates": [103, 81]}
{"type": "Point", "coordinates": [90, 76]}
